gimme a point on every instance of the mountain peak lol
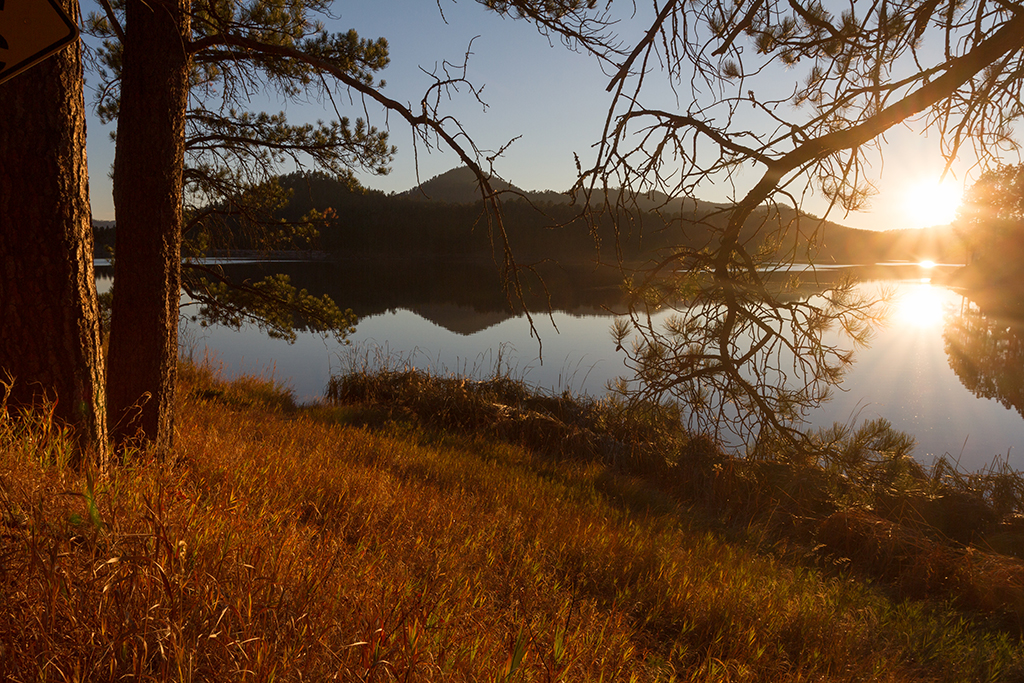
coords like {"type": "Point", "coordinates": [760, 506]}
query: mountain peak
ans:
{"type": "Point", "coordinates": [460, 186]}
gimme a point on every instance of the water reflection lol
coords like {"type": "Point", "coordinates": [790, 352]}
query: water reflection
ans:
{"type": "Point", "coordinates": [921, 306]}
{"type": "Point", "coordinates": [456, 319]}
{"type": "Point", "coordinates": [464, 298]}
{"type": "Point", "coordinates": [987, 354]}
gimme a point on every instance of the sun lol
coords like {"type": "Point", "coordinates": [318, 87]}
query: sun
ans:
{"type": "Point", "coordinates": [931, 203]}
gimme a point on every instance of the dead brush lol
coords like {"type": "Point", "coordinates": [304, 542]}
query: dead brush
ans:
{"type": "Point", "coordinates": [562, 425]}
{"type": "Point", "coordinates": [870, 467]}
{"type": "Point", "coordinates": [205, 382]}
{"type": "Point", "coordinates": [918, 566]}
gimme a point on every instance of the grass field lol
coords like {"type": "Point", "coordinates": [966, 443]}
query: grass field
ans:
{"type": "Point", "coordinates": [354, 541]}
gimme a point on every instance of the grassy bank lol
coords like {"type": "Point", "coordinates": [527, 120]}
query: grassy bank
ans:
{"type": "Point", "coordinates": [417, 529]}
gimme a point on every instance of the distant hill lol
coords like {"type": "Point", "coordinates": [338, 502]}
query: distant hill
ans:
{"type": "Point", "coordinates": [459, 186]}
{"type": "Point", "coordinates": [445, 220]}
{"type": "Point", "coordinates": [824, 241]}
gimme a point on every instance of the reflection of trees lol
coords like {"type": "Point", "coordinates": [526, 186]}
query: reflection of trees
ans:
{"type": "Point", "coordinates": [743, 350]}
{"type": "Point", "coordinates": [373, 286]}
{"type": "Point", "coordinates": [778, 100]}
{"type": "Point", "coordinates": [463, 296]}
{"type": "Point", "coordinates": [987, 354]}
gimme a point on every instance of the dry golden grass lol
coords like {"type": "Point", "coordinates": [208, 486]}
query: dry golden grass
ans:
{"type": "Point", "coordinates": [284, 544]}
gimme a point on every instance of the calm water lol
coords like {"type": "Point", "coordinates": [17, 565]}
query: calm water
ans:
{"type": "Point", "coordinates": [938, 369]}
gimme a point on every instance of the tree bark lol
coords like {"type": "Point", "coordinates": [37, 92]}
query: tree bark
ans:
{"type": "Point", "coordinates": [50, 351]}
{"type": "Point", "coordinates": [147, 185]}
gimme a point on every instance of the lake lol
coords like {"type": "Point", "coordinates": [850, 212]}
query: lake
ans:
{"type": "Point", "coordinates": [938, 369]}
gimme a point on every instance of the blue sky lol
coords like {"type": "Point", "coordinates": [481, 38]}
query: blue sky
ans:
{"type": "Point", "coordinates": [551, 99]}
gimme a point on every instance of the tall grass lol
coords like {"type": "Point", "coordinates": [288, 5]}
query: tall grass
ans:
{"type": "Point", "coordinates": [857, 495]}
{"type": "Point", "coordinates": [284, 543]}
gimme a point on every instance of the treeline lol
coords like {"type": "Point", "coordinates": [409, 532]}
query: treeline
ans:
{"type": "Point", "coordinates": [545, 225]}
{"type": "Point", "coordinates": [103, 238]}
{"type": "Point", "coordinates": [371, 222]}
{"type": "Point", "coordinates": [445, 220]}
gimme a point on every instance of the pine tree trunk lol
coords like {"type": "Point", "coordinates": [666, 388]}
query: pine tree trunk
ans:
{"type": "Point", "coordinates": [49, 322]}
{"type": "Point", "coordinates": [148, 163]}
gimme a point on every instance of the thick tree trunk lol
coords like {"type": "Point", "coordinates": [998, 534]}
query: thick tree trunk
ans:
{"type": "Point", "coordinates": [148, 165]}
{"type": "Point", "coordinates": [49, 322]}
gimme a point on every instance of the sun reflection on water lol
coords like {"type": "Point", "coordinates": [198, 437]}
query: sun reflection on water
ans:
{"type": "Point", "coordinates": [920, 306]}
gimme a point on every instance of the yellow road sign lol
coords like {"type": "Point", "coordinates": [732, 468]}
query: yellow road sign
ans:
{"type": "Point", "coordinates": [31, 31]}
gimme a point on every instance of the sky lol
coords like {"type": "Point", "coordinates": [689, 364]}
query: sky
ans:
{"type": "Point", "coordinates": [549, 100]}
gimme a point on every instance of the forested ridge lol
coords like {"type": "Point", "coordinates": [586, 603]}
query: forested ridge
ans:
{"type": "Point", "coordinates": [444, 218]}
